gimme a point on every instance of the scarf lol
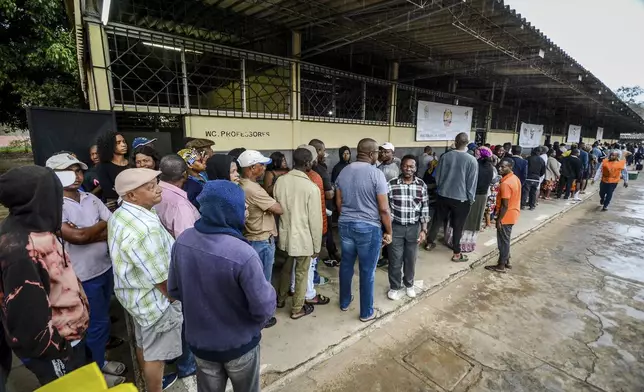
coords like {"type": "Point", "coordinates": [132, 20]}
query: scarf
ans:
{"type": "Point", "coordinates": [218, 167]}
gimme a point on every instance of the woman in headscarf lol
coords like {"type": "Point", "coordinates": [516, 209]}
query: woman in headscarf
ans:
{"type": "Point", "coordinates": [475, 217]}
{"type": "Point", "coordinates": [345, 159]}
{"type": "Point", "coordinates": [551, 180]}
{"type": "Point", "coordinates": [222, 167]}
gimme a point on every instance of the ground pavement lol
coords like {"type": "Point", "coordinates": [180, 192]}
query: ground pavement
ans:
{"type": "Point", "coordinates": [568, 317]}
{"type": "Point", "coordinates": [293, 346]}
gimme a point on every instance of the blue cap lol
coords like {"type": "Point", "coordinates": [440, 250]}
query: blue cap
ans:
{"type": "Point", "coordinates": [142, 141]}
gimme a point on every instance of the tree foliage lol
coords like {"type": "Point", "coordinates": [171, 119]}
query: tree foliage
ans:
{"type": "Point", "coordinates": [38, 65]}
{"type": "Point", "coordinates": [633, 97]}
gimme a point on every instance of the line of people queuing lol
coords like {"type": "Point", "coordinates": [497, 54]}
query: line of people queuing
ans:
{"type": "Point", "coordinates": [187, 243]}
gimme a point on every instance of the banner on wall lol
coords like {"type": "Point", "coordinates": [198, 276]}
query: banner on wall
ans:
{"type": "Point", "coordinates": [530, 135]}
{"type": "Point", "coordinates": [439, 121]}
{"type": "Point", "coordinates": [600, 133]}
{"type": "Point", "coordinates": [574, 134]}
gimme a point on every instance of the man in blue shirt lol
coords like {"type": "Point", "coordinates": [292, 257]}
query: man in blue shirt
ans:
{"type": "Point", "coordinates": [584, 156]}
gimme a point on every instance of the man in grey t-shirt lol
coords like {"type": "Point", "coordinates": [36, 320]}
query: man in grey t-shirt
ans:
{"type": "Point", "coordinates": [456, 177]}
{"type": "Point", "coordinates": [388, 163]}
{"type": "Point", "coordinates": [361, 200]}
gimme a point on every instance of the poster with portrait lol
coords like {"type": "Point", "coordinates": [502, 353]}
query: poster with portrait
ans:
{"type": "Point", "coordinates": [530, 135]}
{"type": "Point", "coordinates": [600, 133]}
{"type": "Point", "coordinates": [439, 121]}
{"type": "Point", "coordinates": [574, 134]}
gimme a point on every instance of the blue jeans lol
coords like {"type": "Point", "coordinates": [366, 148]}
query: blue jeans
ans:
{"type": "Point", "coordinates": [99, 293]}
{"type": "Point", "coordinates": [266, 251]}
{"type": "Point", "coordinates": [186, 364]}
{"type": "Point", "coordinates": [606, 192]}
{"type": "Point", "coordinates": [361, 240]}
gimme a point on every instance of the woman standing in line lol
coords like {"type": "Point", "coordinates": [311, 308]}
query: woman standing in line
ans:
{"type": "Point", "coordinates": [113, 153]}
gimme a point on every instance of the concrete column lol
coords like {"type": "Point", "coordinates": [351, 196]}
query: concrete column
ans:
{"type": "Point", "coordinates": [99, 79]}
{"type": "Point", "coordinates": [393, 93]}
{"type": "Point", "coordinates": [296, 47]}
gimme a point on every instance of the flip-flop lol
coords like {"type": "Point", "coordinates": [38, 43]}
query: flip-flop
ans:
{"type": "Point", "coordinates": [305, 311]}
{"type": "Point", "coordinates": [461, 258]}
{"type": "Point", "coordinates": [367, 319]}
{"type": "Point", "coordinates": [430, 246]}
{"type": "Point", "coordinates": [319, 300]}
{"type": "Point", "coordinates": [114, 368]}
{"type": "Point", "coordinates": [331, 263]}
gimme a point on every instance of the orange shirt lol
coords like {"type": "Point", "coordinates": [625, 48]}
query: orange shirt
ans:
{"type": "Point", "coordinates": [317, 179]}
{"type": "Point", "coordinates": [612, 171]}
{"type": "Point", "coordinates": [510, 188]}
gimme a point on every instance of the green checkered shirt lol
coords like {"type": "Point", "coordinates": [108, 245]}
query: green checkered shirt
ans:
{"type": "Point", "coordinates": [140, 249]}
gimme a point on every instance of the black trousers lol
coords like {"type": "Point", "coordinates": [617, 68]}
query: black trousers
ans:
{"type": "Point", "coordinates": [331, 248]}
{"type": "Point", "coordinates": [529, 193]}
{"type": "Point", "coordinates": [48, 370]}
{"type": "Point", "coordinates": [569, 182]}
{"type": "Point", "coordinates": [457, 211]}
{"type": "Point", "coordinates": [503, 236]}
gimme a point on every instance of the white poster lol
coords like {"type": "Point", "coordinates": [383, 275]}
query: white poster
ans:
{"type": "Point", "coordinates": [530, 135]}
{"type": "Point", "coordinates": [600, 133]}
{"type": "Point", "coordinates": [574, 134]}
{"type": "Point", "coordinates": [438, 121]}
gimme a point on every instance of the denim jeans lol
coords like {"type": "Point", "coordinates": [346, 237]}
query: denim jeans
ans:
{"type": "Point", "coordinates": [606, 192]}
{"type": "Point", "coordinates": [99, 293]}
{"type": "Point", "coordinates": [266, 251]}
{"type": "Point", "coordinates": [243, 373]}
{"type": "Point", "coordinates": [361, 240]}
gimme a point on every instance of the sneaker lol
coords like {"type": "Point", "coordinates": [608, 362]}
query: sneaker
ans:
{"type": "Point", "coordinates": [411, 292]}
{"type": "Point", "coordinates": [605, 209]}
{"type": "Point", "coordinates": [322, 281]}
{"type": "Point", "coordinates": [601, 202]}
{"type": "Point", "coordinates": [169, 380]}
{"type": "Point", "coordinates": [577, 198]}
{"type": "Point", "coordinates": [394, 295]}
{"type": "Point", "coordinates": [271, 322]}
{"type": "Point", "coordinates": [531, 208]}
{"type": "Point", "coordinates": [383, 262]}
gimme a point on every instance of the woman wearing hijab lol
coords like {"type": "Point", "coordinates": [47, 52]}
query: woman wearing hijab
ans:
{"type": "Point", "coordinates": [222, 167]}
{"type": "Point", "coordinates": [345, 159]}
{"type": "Point", "coordinates": [474, 219]}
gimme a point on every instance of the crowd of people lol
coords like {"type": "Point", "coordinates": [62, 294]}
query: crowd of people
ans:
{"type": "Point", "coordinates": [187, 242]}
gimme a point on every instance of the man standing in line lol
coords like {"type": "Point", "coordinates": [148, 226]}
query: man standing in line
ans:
{"type": "Point", "coordinates": [409, 206]}
{"type": "Point", "coordinates": [520, 167]}
{"type": "Point", "coordinates": [425, 160]}
{"type": "Point", "coordinates": [572, 166]}
{"type": "Point", "coordinates": [389, 165]}
{"type": "Point", "coordinates": [203, 147]}
{"type": "Point", "coordinates": [175, 210]}
{"type": "Point", "coordinates": [84, 230]}
{"type": "Point", "coordinates": [300, 230]}
{"type": "Point", "coordinates": [508, 205]}
{"type": "Point", "coordinates": [196, 174]}
{"type": "Point", "coordinates": [536, 170]}
{"type": "Point", "coordinates": [260, 227]}
{"type": "Point", "coordinates": [362, 203]}
{"type": "Point", "coordinates": [177, 214]}
{"type": "Point", "coordinates": [140, 248]}
{"type": "Point", "coordinates": [321, 168]}
{"type": "Point", "coordinates": [610, 171]}
{"type": "Point", "coordinates": [218, 276]}
{"type": "Point", "coordinates": [456, 177]}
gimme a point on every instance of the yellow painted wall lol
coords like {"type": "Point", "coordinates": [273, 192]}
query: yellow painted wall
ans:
{"type": "Point", "coordinates": [260, 134]}
{"type": "Point", "coordinates": [495, 137]}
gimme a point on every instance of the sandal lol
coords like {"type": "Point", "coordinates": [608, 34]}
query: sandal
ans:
{"type": "Point", "coordinates": [306, 310]}
{"type": "Point", "coordinates": [331, 263]}
{"type": "Point", "coordinates": [460, 258]}
{"type": "Point", "coordinates": [114, 368]}
{"type": "Point", "coordinates": [430, 246]}
{"type": "Point", "coordinates": [113, 342]}
{"type": "Point", "coordinates": [318, 300]}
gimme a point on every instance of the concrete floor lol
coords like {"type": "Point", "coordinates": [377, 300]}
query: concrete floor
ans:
{"type": "Point", "coordinates": [568, 317]}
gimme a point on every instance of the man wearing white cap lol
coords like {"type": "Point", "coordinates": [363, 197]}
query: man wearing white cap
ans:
{"type": "Point", "coordinates": [140, 248]}
{"type": "Point", "coordinates": [388, 163]}
{"type": "Point", "coordinates": [84, 230]}
{"type": "Point", "coordinates": [260, 229]}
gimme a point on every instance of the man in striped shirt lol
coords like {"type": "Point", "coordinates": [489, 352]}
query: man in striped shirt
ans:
{"type": "Point", "coordinates": [140, 248]}
{"type": "Point", "coordinates": [409, 206]}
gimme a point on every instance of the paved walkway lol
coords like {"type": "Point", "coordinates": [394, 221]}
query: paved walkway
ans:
{"type": "Point", "coordinates": [294, 346]}
{"type": "Point", "coordinates": [568, 317]}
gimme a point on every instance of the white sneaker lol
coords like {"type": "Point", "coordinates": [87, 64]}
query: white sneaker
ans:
{"type": "Point", "coordinates": [411, 292]}
{"type": "Point", "coordinates": [577, 199]}
{"type": "Point", "coordinates": [394, 295]}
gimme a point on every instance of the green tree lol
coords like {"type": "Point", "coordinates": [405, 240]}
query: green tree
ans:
{"type": "Point", "coordinates": [38, 65]}
{"type": "Point", "coordinates": [633, 97]}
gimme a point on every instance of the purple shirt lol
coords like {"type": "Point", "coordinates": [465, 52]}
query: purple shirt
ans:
{"type": "Point", "coordinates": [175, 210]}
{"type": "Point", "coordinates": [91, 260]}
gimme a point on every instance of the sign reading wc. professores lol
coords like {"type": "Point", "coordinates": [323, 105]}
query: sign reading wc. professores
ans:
{"type": "Point", "coordinates": [438, 121]}
{"type": "Point", "coordinates": [530, 135]}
